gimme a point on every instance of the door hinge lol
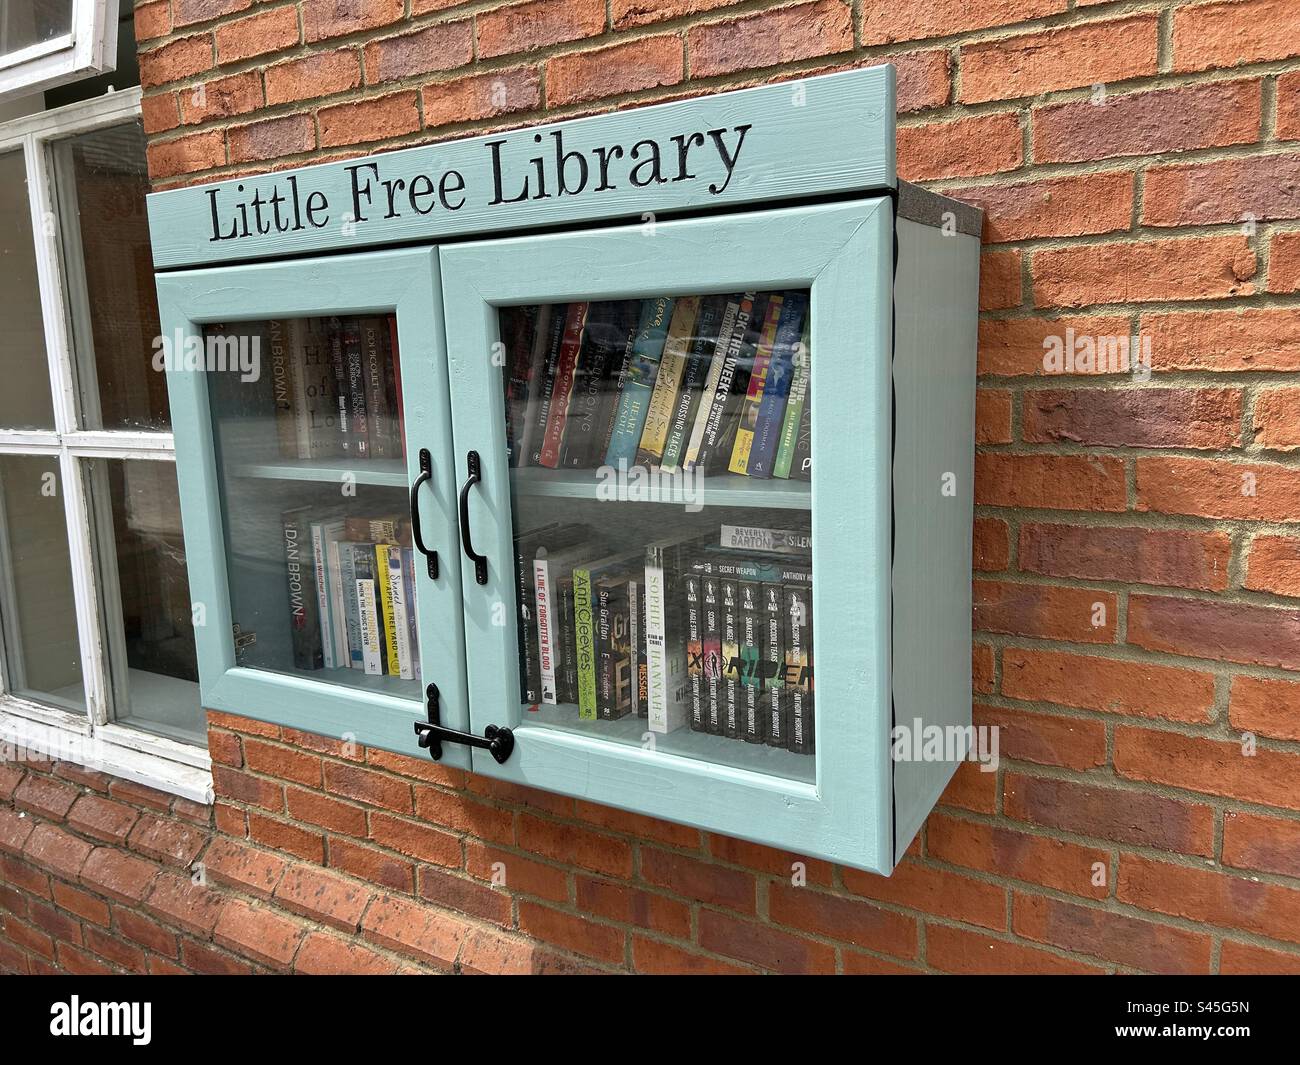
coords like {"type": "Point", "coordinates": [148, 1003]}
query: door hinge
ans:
{"type": "Point", "coordinates": [497, 740]}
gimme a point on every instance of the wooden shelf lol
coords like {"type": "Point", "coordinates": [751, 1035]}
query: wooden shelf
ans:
{"type": "Point", "coordinates": [388, 472]}
{"type": "Point", "coordinates": [726, 490]}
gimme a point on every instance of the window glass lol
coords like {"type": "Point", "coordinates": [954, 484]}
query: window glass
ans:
{"type": "Point", "coordinates": [25, 398]}
{"type": "Point", "coordinates": [24, 23]}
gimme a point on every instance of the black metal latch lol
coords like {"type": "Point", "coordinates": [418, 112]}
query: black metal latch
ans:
{"type": "Point", "coordinates": [498, 741]}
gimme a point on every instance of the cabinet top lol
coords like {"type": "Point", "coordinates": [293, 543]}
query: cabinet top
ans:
{"type": "Point", "coordinates": [826, 135]}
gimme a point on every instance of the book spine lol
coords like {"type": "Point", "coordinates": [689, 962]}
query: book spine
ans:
{"type": "Point", "coordinates": [672, 367]}
{"type": "Point", "coordinates": [518, 325]}
{"type": "Point", "coordinates": [773, 650]}
{"type": "Point", "coordinates": [633, 639]}
{"type": "Point", "coordinates": [801, 464]}
{"type": "Point", "coordinates": [748, 421]}
{"type": "Point", "coordinates": [589, 388]}
{"type": "Point", "coordinates": [320, 405]}
{"type": "Point", "coordinates": [699, 363]}
{"type": "Point", "coordinates": [384, 596]}
{"type": "Point", "coordinates": [338, 362]}
{"type": "Point", "coordinates": [641, 678]}
{"type": "Point", "coordinates": [547, 339]}
{"type": "Point", "coordinates": [711, 641]}
{"type": "Point", "coordinates": [338, 603]}
{"type": "Point", "coordinates": [546, 630]}
{"type": "Point", "coordinates": [282, 387]}
{"type": "Point", "coordinates": [321, 582]}
{"type": "Point", "coordinates": [304, 619]}
{"type": "Point", "coordinates": [752, 724]}
{"type": "Point", "coordinates": [638, 383]}
{"type": "Point", "coordinates": [776, 389]}
{"type": "Point", "coordinates": [732, 698]}
{"type": "Point", "coordinates": [398, 602]}
{"type": "Point", "coordinates": [695, 652]}
{"type": "Point", "coordinates": [785, 450]}
{"type": "Point", "coordinates": [378, 414]}
{"type": "Point", "coordinates": [354, 360]}
{"type": "Point", "coordinates": [616, 651]}
{"type": "Point", "coordinates": [584, 643]}
{"type": "Point", "coordinates": [565, 375]}
{"type": "Point", "coordinates": [351, 606]}
{"type": "Point", "coordinates": [412, 610]}
{"type": "Point", "coordinates": [733, 377]}
{"type": "Point", "coordinates": [798, 678]}
{"type": "Point", "coordinates": [568, 655]}
{"type": "Point", "coordinates": [668, 689]}
{"type": "Point", "coordinates": [372, 655]}
{"type": "Point", "coordinates": [530, 676]}
{"type": "Point", "coordinates": [395, 366]}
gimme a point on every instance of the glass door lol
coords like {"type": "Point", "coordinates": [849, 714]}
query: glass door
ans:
{"type": "Point", "coordinates": [318, 415]}
{"type": "Point", "coordinates": [674, 606]}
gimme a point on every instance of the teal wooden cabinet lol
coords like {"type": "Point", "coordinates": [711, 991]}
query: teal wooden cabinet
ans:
{"type": "Point", "coordinates": [683, 401]}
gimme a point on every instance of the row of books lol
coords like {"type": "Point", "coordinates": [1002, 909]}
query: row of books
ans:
{"type": "Point", "coordinates": [715, 383]}
{"type": "Point", "coordinates": [336, 385]}
{"type": "Point", "coordinates": [682, 632]}
{"type": "Point", "coordinates": [351, 583]}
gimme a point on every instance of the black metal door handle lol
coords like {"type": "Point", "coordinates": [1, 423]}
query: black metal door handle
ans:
{"type": "Point", "coordinates": [425, 474]}
{"type": "Point", "coordinates": [475, 470]}
{"type": "Point", "coordinates": [497, 740]}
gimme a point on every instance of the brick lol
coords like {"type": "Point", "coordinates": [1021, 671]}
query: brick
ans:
{"type": "Point", "coordinates": [348, 750]}
{"type": "Point", "coordinates": [1148, 123]}
{"type": "Point", "coordinates": [1262, 188]}
{"type": "Point", "coordinates": [1264, 844]}
{"type": "Point", "coordinates": [771, 37]}
{"type": "Point", "coordinates": [442, 46]}
{"type": "Point", "coordinates": [203, 959]}
{"type": "Point", "coordinates": [78, 962]}
{"type": "Point", "coordinates": [147, 933]}
{"type": "Point", "coordinates": [249, 726]}
{"type": "Point", "coordinates": [992, 416]}
{"type": "Point", "coordinates": [140, 795]}
{"type": "Point", "coordinates": [481, 96]}
{"type": "Point", "coordinates": [287, 837]}
{"type": "Point", "coordinates": [1000, 280]}
{"type": "Point", "coordinates": [1045, 739]}
{"type": "Point", "coordinates": [48, 798]}
{"type": "Point", "coordinates": [884, 22]}
{"type": "Point", "coordinates": [1274, 565]}
{"type": "Point", "coordinates": [1266, 706]}
{"type": "Point", "coordinates": [1229, 34]}
{"type": "Point", "coordinates": [966, 147]}
{"type": "Point", "coordinates": [1006, 852]}
{"type": "Point", "coordinates": [572, 932]}
{"type": "Point", "coordinates": [1055, 207]}
{"type": "Point", "coordinates": [365, 785]}
{"type": "Point", "coordinates": [1112, 936]}
{"type": "Point", "coordinates": [1276, 419]}
{"type": "Point", "coordinates": [21, 873]}
{"type": "Point", "coordinates": [54, 923]}
{"type": "Point", "coordinates": [637, 825]}
{"type": "Point", "coordinates": [522, 874]}
{"type": "Point", "coordinates": [225, 747]}
{"type": "Point", "coordinates": [325, 812]}
{"type": "Point", "coordinates": [324, 954]}
{"type": "Point", "coordinates": [175, 60]}
{"type": "Point", "coordinates": [463, 813]}
{"type": "Point", "coordinates": [230, 820]}
{"type": "Point", "coordinates": [58, 851]}
{"type": "Point", "coordinates": [857, 963]}
{"type": "Point", "coordinates": [245, 868]}
{"type": "Point", "coordinates": [762, 945]}
{"type": "Point", "coordinates": [1238, 632]}
{"type": "Point", "coordinates": [983, 668]}
{"type": "Point", "coordinates": [13, 961]}
{"type": "Point", "coordinates": [271, 139]}
{"type": "Point", "coordinates": [652, 957]}
{"type": "Point", "coordinates": [924, 79]}
{"type": "Point", "coordinates": [1090, 54]}
{"type": "Point", "coordinates": [575, 846]}
{"type": "Point", "coordinates": [118, 875]}
{"type": "Point", "coordinates": [1211, 767]}
{"type": "Point", "coordinates": [178, 900]}
{"type": "Point", "coordinates": [1216, 489]}
{"type": "Point", "coordinates": [188, 12]}
{"type": "Point", "coordinates": [260, 34]}
{"type": "Point", "coordinates": [116, 951]}
{"type": "Point", "coordinates": [845, 919]}
{"type": "Point", "coordinates": [10, 777]}
{"type": "Point", "coordinates": [415, 930]}
{"type": "Point", "coordinates": [1127, 554]}
{"type": "Point", "coordinates": [1205, 418]}
{"type": "Point", "coordinates": [1284, 263]}
{"type": "Point", "coordinates": [1188, 268]}
{"type": "Point", "coordinates": [1052, 612]}
{"type": "Point", "coordinates": [424, 769]}
{"type": "Point", "coordinates": [89, 779]}
{"type": "Point", "coordinates": [970, 789]}
{"type": "Point", "coordinates": [490, 952]}
{"type": "Point", "coordinates": [366, 863]}
{"type": "Point", "coordinates": [454, 891]}
{"type": "Point", "coordinates": [613, 900]}
{"type": "Point", "coordinates": [631, 67]}
{"type": "Point", "coordinates": [160, 113]}
{"type": "Point", "coordinates": [274, 760]}
{"type": "Point", "coordinates": [1123, 815]}
{"type": "Point", "coordinates": [528, 26]}
{"type": "Point", "coordinates": [628, 13]}
{"type": "Point", "coordinates": [1288, 106]}
{"type": "Point", "coordinates": [316, 75]}
{"type": "Point", "coordinates": [934, 891]}
{"type": "Point", "coordinates": [1015, 347]}
{"type": "Point", "coordinates": [1141, 689]}
{"type": "Point", "coordinates": [1246, 958]}
{"type": "Point", "coordinates": [24, 935]}
{"type": "Point", "coordinates": [323, 19]}
{"type": "Point", "coordinates": [167, 841]}
{"type": "Point", "coordinates": [991, 544]}
{"type": "Point", "coordinates": [224, 98]}
{"type": "Point", "coordinates": [152, 20]}
{"type": "Point", "coordinates": [79, 902]}
{"type": "Point", "coordinates": [1225, 341]}
{"type": "Point", "coordinates": [700, 881]}
{"type": "Point", "coordinates": [258, 933]}
{"type": "Point", "coordinates": [14, 830]}
{"type": "Point", "coordinates": [1210, 897]}
{"type": "Point", "coordinates": [423, 842]}
{"type": "Point", "coordinates": [960, 951]}
{"type": "Point", "coordinates": [322, 896]}
{"type": "Point", "coordinates": [1054, 482]}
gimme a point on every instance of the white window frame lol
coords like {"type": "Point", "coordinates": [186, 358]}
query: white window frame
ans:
{"type": "Point", "coordinates": [89, 739]}
{"type": "Point", "coordinates": [90, 48]}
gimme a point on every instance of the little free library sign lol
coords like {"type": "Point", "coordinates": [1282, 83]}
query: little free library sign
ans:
{"type": "Point", "coordinates": [818, 136]}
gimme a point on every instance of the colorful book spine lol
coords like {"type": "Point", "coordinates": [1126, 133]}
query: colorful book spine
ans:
{"type": "Point", "coordinates": [748, 421]}
{"type": "Point", "coordinates": [711, 639]}
{"type": "Point", "coordinates": [338, 602]}
{"type": "Point", "coordinates": [397, 603]}
{"type": "Point", "coordinates": [282, 386]}
{"type": "Point", "coordinates": [717, 365]}
{"type": "Point", "coordinates": [585, 426]}
{"type": "Point", "coordinates": [351, 605]}
{"type": "Point", "coordinates": [321, 535]}
{"type": "Point", "coordinates": [776, 389]}
{"type": "Point", "coordinates": [567, 660]}
{"type": "Point", "coordinates": [368, 610]}
{"type": "Point", "coordinates": [412, 610]}
{"type": "Point", "coordinates": [379, 416]}
{"type": "Point", "coordinates": [773, 661]}
{"type": "Point", "coordinates": [668, 381]}
{"type": "Point", "coordinates": [733, 382]}
{"type": "Point", "coordinates": [695, 651]}
{"type": "Point", "coordinates": [338, 362]}
{"type": "Point", "coordinates": [565, 375]}
{"type": "Point", "coordinates": [395, 383]}
{"type": "Point", "coordinates": [613, 690]}
{"type": "Point", "coordinates": [798, 675]}
{"type": "Point", "coordinates": [634, 639]}
{"type": "Point", "coordinates": [668, 690]}
{"type": "Point", "coordinates": [641, 669]}
{"type": "Point", "coordinates": [547, 340]}
{"type": "Point", "coordinates": [547, 628]}
{"type": "Point", "coordinates": [357, 441]}
{"type": "Point", "coordinates": [638, 383]}
{"type": "Point", "coordinates": [794, 408]}
{"type": "Point", "coordinates": [699, 361]}
{"type": "Point", "coordinates": [752, 724]}
{"type": "Point", "coordinates": [304, 617]}
{"type": "Point", "coordinates": [732, 697]}
{"type": "Point", "coordinates": [387, 617]}
{"type": "Point", "coordinates": [584, 643]}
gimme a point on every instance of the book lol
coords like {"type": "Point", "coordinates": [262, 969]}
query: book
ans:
{"type": "Point", "coordinates": [638, 381]}
{"type": "Point", "coordinates": [398, 604]}
{"type": "Point", "coordinates": [634, 631]}
{"type": "Point", "coordinates": [351, 605]}
{"type": "Point", "coordinates": [586, 578]}
{"type": "Point", "coordinates": [794, 408]}
{"type": "Point", "coordinates": [641, 669]}
{"type": "Point", "coordinates": [718, 364]}
{"type": "Point", "coordinates": [386, 617]}
{"type": "Point", "coordinates": [672, 367]}
{"type": "Point", "coordinates": [732, 699]}
{"type": "Point", "coordinates": [282, 337]}
{"type": "Point", "coordinates": [566, 369]}
{"type": "Point", "coordinates": [357, 442]}
{"type": "Point", "coordinates": [733, 385]}
{"type": "Point", "coordinates": [319, 402]}
{"type": "Point", "coordinates": [551, 571]}
{"type": "Point", "coordinates": [776, 387]}
{"type": "Point", "coordinates": [337, 601]}
{"type": "Point", "coordinates": [801, 462]}
{"type": "Point", "coordinates": [695, 651]}
{"type": "Point", "coordinates": [668, 689]}
{"type": "Point", "coordinates": [766, 540]}
{"type": "Point", "coordinates": [338, 363]}
{"type": "Point", "coordinates": [613, 647]}
{"type": "Point", "coordinates": [711, 645]}
{"type": "Point", "coordinates": [381, 439]}
{"type": "Point", "coordinates": [699, 361]}
{"type": "Point", "coordinates": [771, 671]}
{"type": "Point", "coordinates": [304, 616]}
{"type": "Point", "coordinates": [553, 537]}
{"type": "Point", "coordinates": [608, 327]}
{"type": "Point", "coordinates": [752, 724]}
{"type": "Point", "coordinates": [322, 532]}
{"type": "Point", "coordinates": [544, 358]}
{"type": "Point", "coordinates": [567, 652]}
{"type": "Point", "coordinates": [517, 325]}
{"type": "Point", "coordinates": [748, 420]}
{"type": "Point", "coordinates": [797, 678]}
{"type": "Point", "coordinates": [393, 379]}
{"type": "Point", "coordinates": [412, 609]}
{"type": "Point", "coordinates": [369, 621]}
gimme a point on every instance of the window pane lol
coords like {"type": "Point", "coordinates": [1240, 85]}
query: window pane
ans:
{"type": "Point", "coordinates": [102, 183]}
{"type": "Point", "coordinates": [24, 23]}
{"type": "Point", "coordinates": [25, 398]}
{"type": "Point", "coordinates": [39, 617]}
{"type": "Point", "coordinates": [148, 624]}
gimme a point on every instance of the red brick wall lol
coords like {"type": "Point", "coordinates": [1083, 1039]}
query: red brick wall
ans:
{"type": "Point", "coordinates": [1122, 735]}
